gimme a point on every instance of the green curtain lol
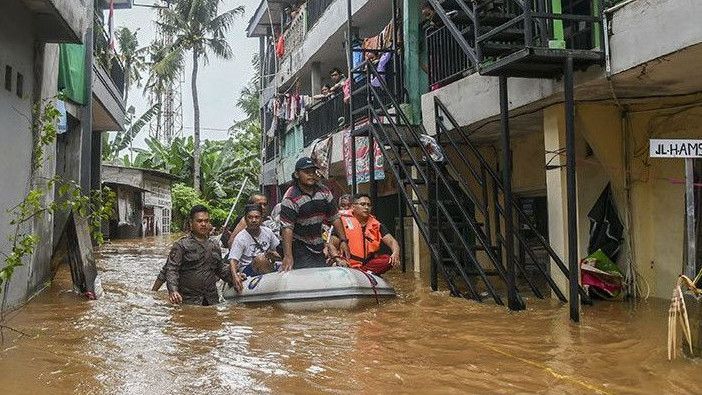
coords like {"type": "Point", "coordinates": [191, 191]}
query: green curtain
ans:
{"type": "Point", "coordinates": [72, 79]}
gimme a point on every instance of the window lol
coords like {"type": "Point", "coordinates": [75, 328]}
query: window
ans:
{"type": "Point", "coordinates": [166, 221]}
{"type": "Point", "coordinates": [20, 85]}
{"type": "Point", "coordinates": [8, 78]}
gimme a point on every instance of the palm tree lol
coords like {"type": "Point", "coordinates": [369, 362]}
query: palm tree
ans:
{"type": "Point", "coordinates": [132, 58]}
{"type": "Point", "coordinates": [164, 67]}
{"type": "Point", "coordinates": [196, 26]}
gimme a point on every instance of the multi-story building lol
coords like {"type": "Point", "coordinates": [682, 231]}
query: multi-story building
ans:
{"type": "Point", "coordinates": [48, 46]}
{"type": "Point", "coordinates": [543, 112]}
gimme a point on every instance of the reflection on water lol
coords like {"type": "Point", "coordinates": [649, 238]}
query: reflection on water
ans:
{"type": "Point", "coordinates": [133, 341]}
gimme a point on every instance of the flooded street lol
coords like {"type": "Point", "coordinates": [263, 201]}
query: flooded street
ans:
{"type": "Point", "coordinates": [133, 341]}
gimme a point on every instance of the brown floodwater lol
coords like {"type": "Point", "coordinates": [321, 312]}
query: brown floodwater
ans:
{"type": "Point", "coordinates": [132, 341]}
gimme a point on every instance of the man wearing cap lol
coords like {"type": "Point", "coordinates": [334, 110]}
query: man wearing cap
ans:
{"type": "Point", "coordinates": [305, 207]}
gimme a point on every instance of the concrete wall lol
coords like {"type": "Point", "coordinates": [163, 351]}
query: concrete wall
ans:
{"type": "Point", "coordinates": [38, 63]}
{"type": "Point", "coordinates": [653, 211]}
{"type": "Point", "coordinates": [16, 50]}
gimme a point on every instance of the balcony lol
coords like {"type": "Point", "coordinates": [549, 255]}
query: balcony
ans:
{"type": "Point", "coordinates": [59, 20]}
{"type": "Point", "coordinates": [325, 118]}
{"type": "Point", "coordinates": [315, 9]}
{"type": "Point", "coordinates": [524, 39]}
{"type": "Point", "coordinates": [108, 83]}
{"type": "Point", "coordinates": [447, 62]}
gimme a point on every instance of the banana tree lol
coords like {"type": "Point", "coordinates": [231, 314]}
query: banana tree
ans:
{"type": "Point", "coordinates": [113, 144]}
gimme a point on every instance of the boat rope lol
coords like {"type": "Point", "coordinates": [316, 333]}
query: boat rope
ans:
{"type": "Point", "coordinates": [372, 282]}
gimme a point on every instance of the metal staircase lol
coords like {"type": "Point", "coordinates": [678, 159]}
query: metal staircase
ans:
{"type": "Point", "coordinates": [530, 39]}
{"type": "Point", "coordinates": [468, 233]}
{"type": "Point", "coordinates": [524, 38]}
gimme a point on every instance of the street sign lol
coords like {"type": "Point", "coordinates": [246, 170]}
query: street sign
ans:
{"type": "Point", "coordinates": [675, 148]}
{"type": "Point", "coordinates": [688, 150]}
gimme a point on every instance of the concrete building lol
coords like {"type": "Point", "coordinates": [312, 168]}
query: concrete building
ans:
{"type": "Point", "coordinates": [35, 40]}
{"type": "Point", "coordinates": [488, 220]}
{"type": "Point", "coordinates": [143, 206]}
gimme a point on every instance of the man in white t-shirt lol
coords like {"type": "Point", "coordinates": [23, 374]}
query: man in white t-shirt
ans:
{"type": "Point", "coordinates": [253, 249]}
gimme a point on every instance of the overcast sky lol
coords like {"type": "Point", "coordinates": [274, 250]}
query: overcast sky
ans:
{"type": "Point", "coordinates": [219, 83]}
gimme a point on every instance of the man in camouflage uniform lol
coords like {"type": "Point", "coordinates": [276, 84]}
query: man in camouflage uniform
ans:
{"type": "Point", "coordinates": [195, 264]}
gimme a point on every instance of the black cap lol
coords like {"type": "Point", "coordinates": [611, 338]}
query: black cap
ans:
{"type": "Point", "coordinates": [305, 163]}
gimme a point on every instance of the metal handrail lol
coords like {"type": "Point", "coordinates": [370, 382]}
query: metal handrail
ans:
{"type": "Point", "coordinates": [440, 177]}
{"type": "Point", "coordinates": [496, 180]}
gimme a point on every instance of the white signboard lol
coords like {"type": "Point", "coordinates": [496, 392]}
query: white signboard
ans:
{"type": "Point", "coordinates": [675, 148]}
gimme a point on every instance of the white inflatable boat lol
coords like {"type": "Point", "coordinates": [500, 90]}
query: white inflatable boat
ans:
{"type": "Point", "coordinates": [314, 289]}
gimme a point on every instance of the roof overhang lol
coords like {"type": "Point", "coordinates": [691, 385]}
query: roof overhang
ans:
{"type": "Point", "coordinates": [267, 15]}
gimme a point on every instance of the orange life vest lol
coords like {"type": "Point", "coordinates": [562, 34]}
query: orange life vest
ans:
{"type": "Point", "coordinates": [364, 241]}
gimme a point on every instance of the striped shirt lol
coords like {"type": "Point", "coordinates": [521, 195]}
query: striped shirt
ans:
{"type": "Point", "coordinates": [305, 213]}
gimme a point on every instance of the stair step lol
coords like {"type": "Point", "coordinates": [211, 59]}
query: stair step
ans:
{"type": "Point", "coordinates": [482, 248]}
{"type": "Point", "coordinates": [493, 48]}
{"type": "Point", "coordinates": [494, 18]}
{"type": "Point", "coordinates": [451, 262]}
{"type": "Point", "coordinates": [417, 181]}
{"type": "Point", "coordinates": [409, 162]}
{"type": "Point", "coordinates": [512, 34]}
{"type": "Point", "coordinates": [411, 144]}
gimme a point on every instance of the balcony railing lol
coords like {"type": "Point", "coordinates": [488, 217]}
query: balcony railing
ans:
{"type": "Point", "coordinates": [324, 118]}
{"type": "Point", "coordinates": [315, 10]}
{"type": "Point", "coordinates": [105, 57]}
{"type": "Point", "coordinates": [295, 32]}
{"type": "Point", "coordinates": [447, 62]}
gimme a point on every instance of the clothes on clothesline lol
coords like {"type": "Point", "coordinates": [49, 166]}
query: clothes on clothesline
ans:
{"type": "Point", "coordinates": [287, 108]}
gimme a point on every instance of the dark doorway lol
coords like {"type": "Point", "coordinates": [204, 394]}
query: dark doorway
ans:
{"type": "Point", "coordinates": [536, 210]}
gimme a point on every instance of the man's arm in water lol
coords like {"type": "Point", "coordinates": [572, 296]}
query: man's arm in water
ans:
{"type": "Point", "coordinates": [160, 279]}
{"type": "Point", "coordinates": [175, 258]}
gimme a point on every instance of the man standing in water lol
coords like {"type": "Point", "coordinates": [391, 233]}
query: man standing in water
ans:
{"type": "Point", "coordinates": [304, 208]}
{"type": "Point", "coordinates": [195, 264]}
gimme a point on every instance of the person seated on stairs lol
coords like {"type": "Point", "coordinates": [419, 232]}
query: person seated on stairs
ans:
{"type": "Point", "coordinates": [366, 236]}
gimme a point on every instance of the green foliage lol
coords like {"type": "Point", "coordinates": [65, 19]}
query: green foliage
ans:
{"type": "Point", "coordinates": [113, 145]}
{"type": "Point", "coordinates": [183, 198]}
{"type": "Point", "coordinates": [45, 117]}
{"type": "Point", "coordinates": [132, 57]}
{"type": "Point", "coordinates": [95, 207]}
{"type": "Point", "coordinates": [218, 216]}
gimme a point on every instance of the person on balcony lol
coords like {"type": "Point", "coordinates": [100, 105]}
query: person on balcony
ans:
{"type": "Point", "coordinates": [337, 79]}
{"type": "Point", "coordinates": [323, 94]}
{"type": "Point", "coordinates": [306, 206]}
{"type": "Point", "coordinates": [366, 238]}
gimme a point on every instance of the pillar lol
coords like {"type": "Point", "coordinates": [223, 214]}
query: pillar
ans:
{"type": "Point", "coordinates": [556, 191]}
{"type": "Point", "coordinates": [316, 78]}
{"type": "Point", "coordinates": [411, 38]}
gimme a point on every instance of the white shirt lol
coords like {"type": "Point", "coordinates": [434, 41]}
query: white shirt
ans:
{"type": "Point", "coordinates": [244, 248]}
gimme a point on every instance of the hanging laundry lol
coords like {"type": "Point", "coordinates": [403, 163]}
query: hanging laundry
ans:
{"type": "Point", "coordinates": [280, 47]}
{"type": "Point", "coordinates": [382, 67]}
{"type": "Point", "coordinates": [347, 90]}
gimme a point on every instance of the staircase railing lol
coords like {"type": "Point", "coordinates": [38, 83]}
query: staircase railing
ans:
{"type": "Point", "coordinates": [402, 150]}
{"type": "Point", "coordinates": [487, 174]}
{"type": "Point", "coordinates": [500, 28]}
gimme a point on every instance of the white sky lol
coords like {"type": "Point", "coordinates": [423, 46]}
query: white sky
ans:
{"type": "Point", "coordinates": [219, 83]}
